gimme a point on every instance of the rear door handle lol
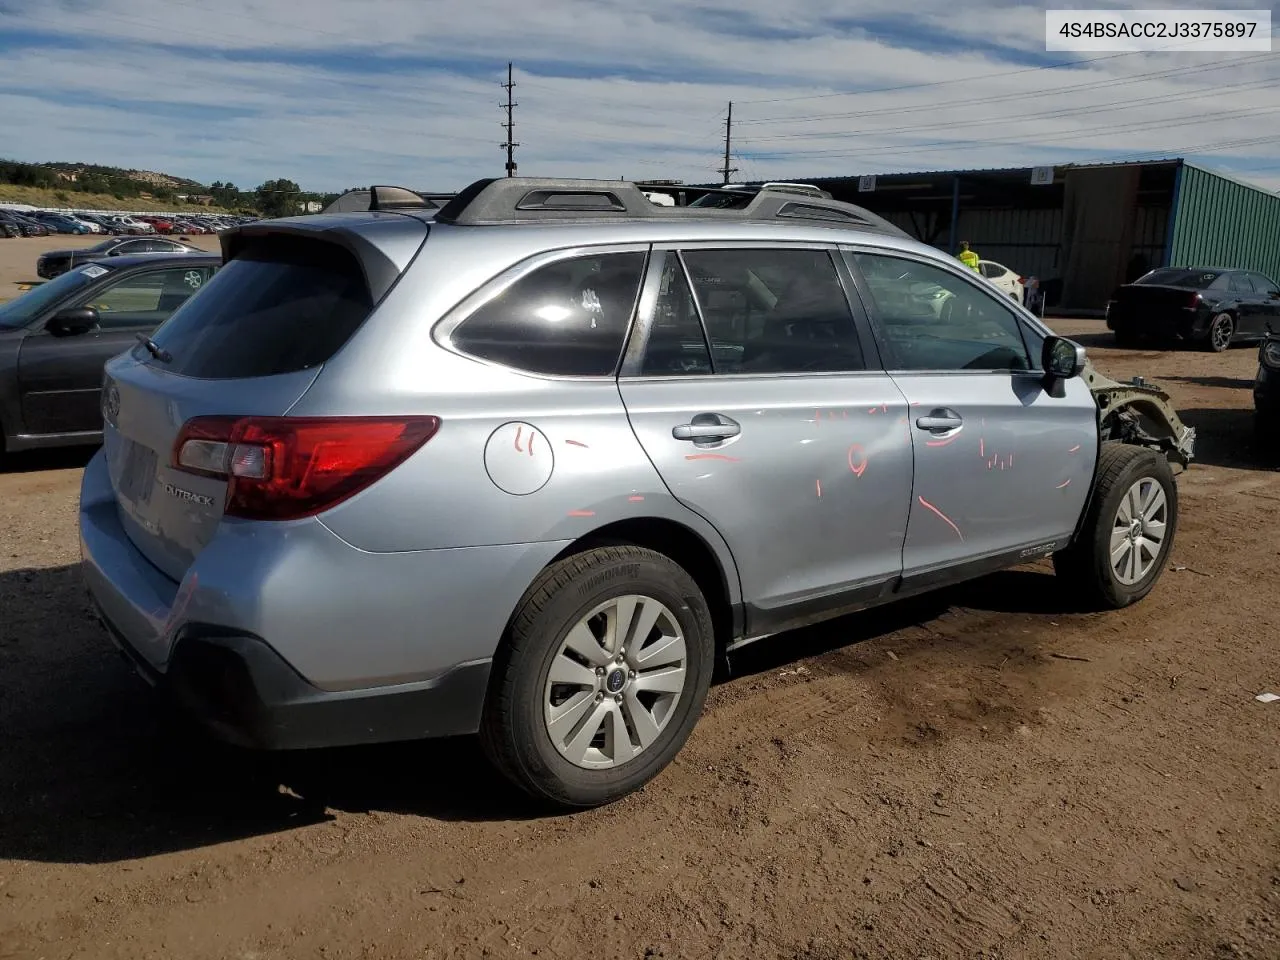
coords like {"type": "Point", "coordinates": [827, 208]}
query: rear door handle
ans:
{"type": "Point", "coordinates": [939, 421]}
{"type": "Point", "coordinates": [707, 426]}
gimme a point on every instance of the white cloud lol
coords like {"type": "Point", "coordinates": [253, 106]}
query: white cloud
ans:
{"type": "Point", "coordinates": [406, 91]}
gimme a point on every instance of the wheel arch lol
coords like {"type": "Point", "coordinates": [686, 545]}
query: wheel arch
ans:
{"type": "Point", "coordinates": [712, 569]}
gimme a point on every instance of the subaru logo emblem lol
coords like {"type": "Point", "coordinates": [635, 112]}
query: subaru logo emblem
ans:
{"type": "Point", "coordinates": [111, 403]}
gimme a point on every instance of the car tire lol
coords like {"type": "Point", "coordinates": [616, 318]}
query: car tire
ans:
{"type": "Point", "coordinates": [1222, 329]}
{"type": "Point", "coordinates": [516, 730]}
{"type": "Point", "coordinates": [1087, 565]}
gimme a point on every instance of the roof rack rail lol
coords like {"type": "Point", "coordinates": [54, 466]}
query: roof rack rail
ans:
{"type": "Point", "coordinates": [530, 200]}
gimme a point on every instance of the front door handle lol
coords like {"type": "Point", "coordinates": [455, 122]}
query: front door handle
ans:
{"type": "Point", "coordinates": [940, 421]}
{"type": "Point", "coordinates": [707, 426]}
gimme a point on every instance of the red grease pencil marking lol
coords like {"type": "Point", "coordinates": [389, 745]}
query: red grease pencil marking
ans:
{"type": "Point", "coordinates": [939, 443]}
{"type": "Point", "coordinates": [819, 483]}
{"type": "Point", "coordinates": [635, 499]}
{"type": "Point", "coordinates": [531, 436]}
{"type": "Point", "coordinates": [582, 513]}
{"type": "Point", "coordinates": [516, 442]}
{"type": "Point", "coordinates": [710, 456]}
{"type": "Point", "coordinates": [982, 446]}
{"type": "Point", "coordinates": [575, 443]}
{"type": "Point", "coordinates": [857, 458]}
{"type": "Point", "coordinates": [1074, 449]}
{"type": "Point", "coordinates": [945, 519]}
{"type": "Point", "coordinates": [1063, 483]}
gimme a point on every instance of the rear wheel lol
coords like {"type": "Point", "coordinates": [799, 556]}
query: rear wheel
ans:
{"type": "Point", "coordinates": [1221, 330]}
{"type": "Point", "coordinates": [1128, 531]}
{"type": "Point", "coordinates": [607, 667]}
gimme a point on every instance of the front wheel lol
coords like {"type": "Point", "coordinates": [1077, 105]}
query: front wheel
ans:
{"type": "Point", "coordinates": [605, 672]}
{"type": "Point", "coordinates": [1128, 531]}
{"type": "Point", "coordinates": [1222, 329]}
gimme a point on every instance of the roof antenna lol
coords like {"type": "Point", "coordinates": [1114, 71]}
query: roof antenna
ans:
{"type": "Point", "coordinates": [510, 125]}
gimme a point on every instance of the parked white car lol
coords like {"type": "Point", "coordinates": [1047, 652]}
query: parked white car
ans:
{"type": "Point", "coordinates": [1009, 282]}
{"type": "Point", "coordinates": [93, 227]}
{"type": "Point", "coordinates": [141, 226]}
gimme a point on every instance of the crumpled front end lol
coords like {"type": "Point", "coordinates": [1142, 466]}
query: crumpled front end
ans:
{"type": "Point", "coordinates": [1139, 412]}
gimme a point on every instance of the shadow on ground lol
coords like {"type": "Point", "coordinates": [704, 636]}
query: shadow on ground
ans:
{"type": "Point", "coordinates": [36, 461]}
{"type": "Point", "coordinates": [95, 766]}
{"type": "Point", "coordinates": [1225, 383]}
{"type": "Point", "coordinates": [1227, 438]}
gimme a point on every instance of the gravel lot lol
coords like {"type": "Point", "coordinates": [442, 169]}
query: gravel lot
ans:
{"type": "Point", "coordinates": [985, 773]}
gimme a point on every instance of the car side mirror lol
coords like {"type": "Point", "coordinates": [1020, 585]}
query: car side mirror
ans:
{"type": "Point", "coordinates": [72, 322]}
{"type": "Point", "coordinates": [1062, 359]}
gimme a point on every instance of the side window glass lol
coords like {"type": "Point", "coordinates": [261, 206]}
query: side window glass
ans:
{"type": "Point", "coordinates": [1264, 286]}
{"type": "Point", "coordinates": [146, 299]}
{"type": "Point", "coordinates": [1241, 283]}
{"type": "Point", "coordinates": [568, 318]}
{"type": "Point", "coordinates": [676, 344]}
{"type": "Point", "coordinates": [934, 320]}
{"type": "Point", "coordinates": [774, 311]}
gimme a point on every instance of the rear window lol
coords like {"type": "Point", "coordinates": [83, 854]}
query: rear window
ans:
{"type": "Point", "coordinates": [568, 318]}
{"type": "Point", "coordinates": [283, 304]}
{"type": "Point", "coordinates": [1180, 277]}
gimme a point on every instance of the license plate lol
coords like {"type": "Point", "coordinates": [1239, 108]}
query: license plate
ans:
{"type": "Point", "coordinates": [138, 473]}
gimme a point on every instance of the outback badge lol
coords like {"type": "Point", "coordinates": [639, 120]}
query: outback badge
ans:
{"type": "Point", "coordinates": [196, 498]}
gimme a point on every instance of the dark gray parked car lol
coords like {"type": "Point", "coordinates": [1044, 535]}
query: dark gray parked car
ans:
{"type": "Point", "coordinates": [56, 338]}
{"type": "Point", "coordinates": [528, 464]}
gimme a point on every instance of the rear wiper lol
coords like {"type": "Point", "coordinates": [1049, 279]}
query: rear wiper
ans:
{"type": "Point", "coordinates": [157, 351]}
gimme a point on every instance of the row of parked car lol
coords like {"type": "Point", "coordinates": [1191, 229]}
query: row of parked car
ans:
{"type": "Point", "coordinates": [41, 223]}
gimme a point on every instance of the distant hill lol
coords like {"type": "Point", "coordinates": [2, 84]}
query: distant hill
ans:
{"type": "Point", "coordinates": [92, 178]}
{"type": "Point", "coordinates": [59, 184]}
{"type": "Point", "coordinates": [73, 172]}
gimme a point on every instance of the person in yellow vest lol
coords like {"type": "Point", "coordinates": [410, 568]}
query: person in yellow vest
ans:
{"type": "Point", "coordinates": [967, 256]}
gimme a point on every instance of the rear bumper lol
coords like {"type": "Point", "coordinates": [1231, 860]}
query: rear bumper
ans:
{"type": "Point", "coordinates": [244, 693]}
{"type": "Point", "coordinates": [287, 637]}
{"type": "Point", "coordinates": [1187, 324]}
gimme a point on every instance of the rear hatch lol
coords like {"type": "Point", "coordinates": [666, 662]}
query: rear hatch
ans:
{"type": "Point", "coordinates": [247, 346]}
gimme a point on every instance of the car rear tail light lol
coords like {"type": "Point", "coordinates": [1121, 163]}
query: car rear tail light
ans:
{"type": "Point", "coordinates": [1023, 281]}
{"type": "Point", "coordinates": [284, 468]}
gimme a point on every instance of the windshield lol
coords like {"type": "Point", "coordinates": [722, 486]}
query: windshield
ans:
{"type": "Point", "coordinates": [1180, 277]}
{"type": "Point", "coordinates": [22, 310]}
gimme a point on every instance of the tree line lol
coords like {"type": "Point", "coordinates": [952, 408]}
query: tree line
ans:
{"type": "Point", "coordinates": [274, 198]}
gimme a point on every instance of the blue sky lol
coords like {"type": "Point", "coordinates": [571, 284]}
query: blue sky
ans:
{"type": "Point", "coordinates": [336, 93]}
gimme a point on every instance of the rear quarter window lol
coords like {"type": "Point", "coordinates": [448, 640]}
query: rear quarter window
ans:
{"type": "Point", "coordinates": [281, 305]}
{"type": "Point", "coordinates": [568, 318]}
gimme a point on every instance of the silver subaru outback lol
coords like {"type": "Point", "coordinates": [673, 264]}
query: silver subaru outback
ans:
{"type": "Point", "coordinates": [530, 464]}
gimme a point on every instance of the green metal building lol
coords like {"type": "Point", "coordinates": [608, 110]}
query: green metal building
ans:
{"type": "Point", "coordinates": [1218, 221]}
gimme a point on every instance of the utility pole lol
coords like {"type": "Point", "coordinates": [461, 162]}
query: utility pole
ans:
{"type": "Point", "coordinates": [728, 134]}
{"type": "Point", "coordinates": [510, 126]}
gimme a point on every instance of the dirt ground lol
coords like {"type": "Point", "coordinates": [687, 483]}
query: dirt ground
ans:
{"type": "Point", "coordinates": [18, 256]}
{"type": "Point", "coordinates": [985, 773]}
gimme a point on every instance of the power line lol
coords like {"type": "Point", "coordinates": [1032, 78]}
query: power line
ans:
{"type": "Point", "coordinates": [510, 125]}
{"type": "Point", "coordinates": [1004, 97]}
{"type": "Point", "coordinates": [947, 83]}
{"type": "Point", "coordinates": [836, 153]}
{"type": "Point", "coordinates": [1048, 115]}
{"type": "Point", "coordinates": [728, 136]}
